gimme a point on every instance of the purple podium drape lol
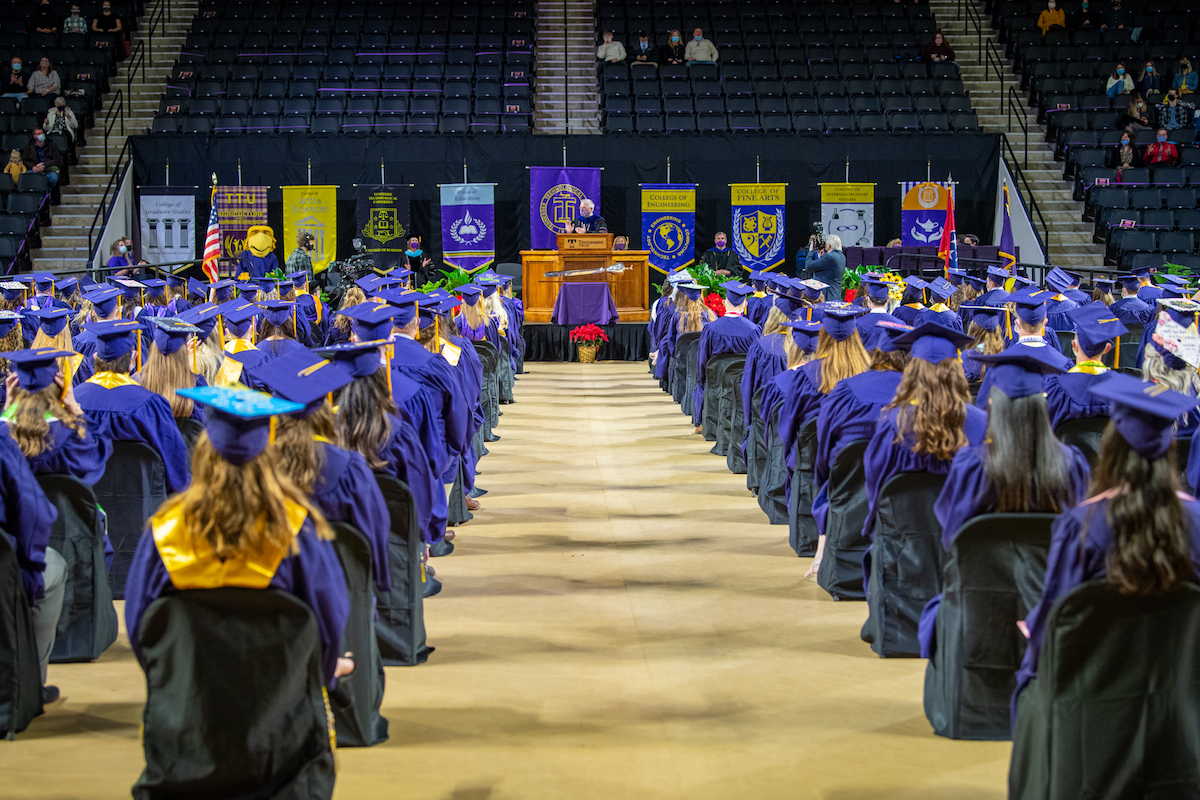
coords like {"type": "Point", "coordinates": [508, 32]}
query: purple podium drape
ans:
{"type": "Point", "coordinates": [583, 304]}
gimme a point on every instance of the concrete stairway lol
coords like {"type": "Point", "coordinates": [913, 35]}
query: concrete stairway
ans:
{"type": "Point", "coordinates": [1070, 238]}
{"type": "Point", "coordinates": [65, 242]}
{"type": "Point", "coordinates": [565, 72]}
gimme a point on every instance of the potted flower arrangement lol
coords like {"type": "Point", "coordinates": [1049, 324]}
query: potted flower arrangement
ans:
{"type": "Point", "coordinates": [588, 338]}
{"type": "Point", "coordinates": [715, 303]}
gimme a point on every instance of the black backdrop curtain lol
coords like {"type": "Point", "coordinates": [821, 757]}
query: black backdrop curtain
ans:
{"type": "Point", "coordinates": [712, 161]}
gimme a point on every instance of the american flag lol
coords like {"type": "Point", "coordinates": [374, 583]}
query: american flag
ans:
{"type": "Point", "coordinates": [212, 242]}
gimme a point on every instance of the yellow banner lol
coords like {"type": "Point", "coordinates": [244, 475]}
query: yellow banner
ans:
{"type": "Point", "coordinates": [847, 193]}
{"type": "Point", "coordinates": [751, 194]}
{"type": "Point", "coordinates": [312, 209]}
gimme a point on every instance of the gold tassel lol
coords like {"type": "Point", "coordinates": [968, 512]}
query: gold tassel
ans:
{"type": "Point", "coordinates": [1117, 355]}
{"type": "Point", "coordinates": [138, 334]}
{"type": "Point", "coordinates": [271, 434]}
{"type": "Point", "coordinates": [194, 345]}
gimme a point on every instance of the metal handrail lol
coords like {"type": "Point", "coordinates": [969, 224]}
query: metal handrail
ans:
{"type": "Point", "coordinates": [1015, 104]}
{"type": "Point", "coordinates": [973, 18]}
{"type": "Point", "coordinates": [566, 40]}
{"type": "Point", "coordinates": [108, 200]}
{"type": "Point", "coordinates": [136, 59]}
{"type": "Point", "coordinates": [992, 60]}
{"type": "Point", "coordinates": [1029, 266]}
{"type": "Point", "coordinates": [1014, 167]}
{"type": "Point", "coordinates": [115, 114]}
{"type": "Point", "coordinates": [158, 19]}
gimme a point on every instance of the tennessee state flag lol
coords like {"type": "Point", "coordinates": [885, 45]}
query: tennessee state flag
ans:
{"type": "Point", "coordinates": [948, 248]}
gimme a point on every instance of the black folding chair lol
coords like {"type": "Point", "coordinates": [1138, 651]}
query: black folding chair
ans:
{"type": "Point", "coordinates": [133, 487]}
{"type": "Point", "coordinates": [1084, 433]}
{"type": "Point", "coordinates": [400, 627]}
{"type": "Point", "coordinates": [20, 673]}
{"type": "Point", "coordinates": [802, 527]}
{"type": "Point", "coordinates": [841, 570]}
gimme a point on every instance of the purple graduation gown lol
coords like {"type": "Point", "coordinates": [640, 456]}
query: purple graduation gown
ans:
{"type": "Point", "coordinates": [135, 414]}
{"type": "Point", "coordinates": [313, 575]}
{"type": "Point", "coordinates": [802, 400]}
{"type": "Point", "coordinates": [26, 515]}
{"type": "Point", "coordinates": [731, 333]}
{"type": "Point", "coordinates": [985, 386]}
{"type": "Point", "coordinates": [68, 454]}
{"type": "Point", "coordinates": [1056, 314]}
{"type": "Point", "coordinates": [433, 377]}
{"type": "Point", "coordinates": [1075, 559]}
{"type": "Point", "coordinates": [407, 461]}
{"type": "Point", "coordinates": [1132, 310]}
{"type": "Point", "coordinates": [1069, 397]}
{"type": "Point", "coordinates": [346, 491]}
{"type": "Point", "coordinates": [867, 329]}
{"type": "Point", "coordinates": [764, 360]}
{"type": "Point", "coordinates": [851, 411]}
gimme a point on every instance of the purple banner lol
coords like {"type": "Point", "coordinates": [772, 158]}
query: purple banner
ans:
{"type": "Point", "coordinates": [468, 225]}
{"type": "Point", "coordinates": [239, 208]}
{"type": "Point", "coordinates": [554, 197]}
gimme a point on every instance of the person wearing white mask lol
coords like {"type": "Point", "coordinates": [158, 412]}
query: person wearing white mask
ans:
{"type": "Point", "coordinates": [1051, 17]}
{"type": "Point", "coordinates": [700, 50]}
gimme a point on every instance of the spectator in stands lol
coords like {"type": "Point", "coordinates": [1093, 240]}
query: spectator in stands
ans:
{"type": "Point", "coordinates": [1126, 157]}
{"type": "Point", "coordinates": [1086, 19]}
{"type": "Point", "coordinates": [826, 264]}
{"type": "Point", "coordinates": [43, 156]}
{"type": "Point", "coordinates": [644, 52]}
{"type": "Point", "coordinates": [1051, 17]}
{"type": "Point", "coordinates": [1175, 113]}
{"type": "Point", "coordinates": [700, 50]}
{"type": "Point", "coordinates": [75, 25]}
{"type": "Point", "coordinates": [1162, 153]}
{"type": "Point", "coordinates": [970, 240]}
{"type": "Point", "coordinates": [44, 20]}
{"type": "Point", "coordinates": [120, 258]}
{"type": "Point", "coordinates": [108, 22]}
{"type": "Point", "coordinates": [301, 257]}
{"type": "Point", "coordinates": [610, 51]}
{"type": "Point", "coordinates": [674, 48]}
{"type": "Point", "coordinates": [938, 49]}
{"type": "Point", "coordinates": [15, 166]}
{"type": "Point", "coordinates": [1149, 81]}
{"type": "Point", "coordinates": [45, 81]}
{"type": "Point", "coordinates": [14, 87]}
{"type": "Point", "coordinates": [1137, 114]}
{"type": "Point", "coordinates": [895, 243]}
{"type": "Point", "coordinates": [1119, 82]}
{"type": "Point", "coordinates": [1185, 80]}
{"type": "Point", "coordinates": [1117, 17]}
{"type": "Point", "coordinates": [61, 119]}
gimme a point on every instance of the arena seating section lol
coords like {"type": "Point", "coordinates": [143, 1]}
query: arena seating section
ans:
{"type": "Point", "coordinates": [805, 66]}
{"type": "Point", "coordinates": [1152, 216]}
{"type": "Point", "coordinates": [353, 67]}
{"type": "Point", "coordinates": [84, 65]}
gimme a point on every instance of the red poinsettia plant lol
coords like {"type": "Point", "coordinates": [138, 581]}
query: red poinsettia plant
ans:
{"type": "Point", "coordinates": [591, 335]}
{"type": "Point", "coordinates": [715, 302]}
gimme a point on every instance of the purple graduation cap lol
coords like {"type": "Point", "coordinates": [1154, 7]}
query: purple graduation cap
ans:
{"type": "Point", "coordinates": [239, 315]}
{"type": "Point", "coordinates": [737, 293]}
{"type": "Point", "coordinates": [371, 320]}
{"type": "Point", "coordinates": [278, 312]}
{"type": "Point", "coordinates": [51, 320]}
{"type": "Point", "coordinates": [877, 290]}
{"type": "Point", "coordinates": [839, 320]}
{"type": "Point", "coordinates": [986, 317]}
{"type": "Point", "coordinates": [303, 377]}
{"type": "Point", "coordinates": [171, 333]}
{"type": "Point", "coordinates": [104, 300]}
{"type": "Point", "coordinates": [1095, 326]}
{"type": "Point", "coordinates": [805, 334]}
{"type": "Point", "coordinates": [1143, 413]}
{"type": "Point", "coordinates": [203, 316]}
{"type": "Point", "coordinates": [362, 359]}
{"type": "Point", "coordinates": [1017, 371]}
{"type": "Point", "coordinates": [36, 369]}
{"type": "Point", "coordinates": [238, 420]}
{"type": "Point", "coordinates": [934, 342]}
{"type": "Point", "coordinates": [114, 338]}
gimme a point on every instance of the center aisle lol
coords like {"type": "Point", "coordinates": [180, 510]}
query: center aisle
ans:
{"type": "Point", "coordinates": [620, 621]}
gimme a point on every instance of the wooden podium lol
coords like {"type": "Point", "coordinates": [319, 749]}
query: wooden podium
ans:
{"type": "Point", "coordinates": [630, 289]}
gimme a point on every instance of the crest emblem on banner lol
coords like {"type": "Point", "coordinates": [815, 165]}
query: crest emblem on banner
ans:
{"type": "Point", "coordinates": [559, 205]}
{"type": "Point", "coordinates": [468, 230]}
{"type": "Point", "coordinates": [759, 232]}
{"type": "Point", "coordinates": [383, 225]}
{"type": "Point", "coordinates": [669, 238]}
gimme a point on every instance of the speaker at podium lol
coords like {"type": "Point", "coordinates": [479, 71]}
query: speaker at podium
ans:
{"type": "Point", "coordinates": [592, 254]}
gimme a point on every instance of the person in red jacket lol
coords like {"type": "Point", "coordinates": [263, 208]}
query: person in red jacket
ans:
{"type": "Point", "coordinates": [1162, 153]}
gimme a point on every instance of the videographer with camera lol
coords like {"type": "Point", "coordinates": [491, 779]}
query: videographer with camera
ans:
{"type": "Point", "coordinates": [301, 257]}
{"type": "Point", "coordinates": [823, 262]}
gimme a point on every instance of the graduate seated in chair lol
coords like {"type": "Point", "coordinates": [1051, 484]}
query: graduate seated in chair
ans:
{"type": "Point", "coordinates": [46, 422]}
{"type": "Point", "coordinates": [206, 350]}
{"type": "Point", "coordinates": [118, 408]}
{"type": "Point", "coordinates": [279, 330]}
{"type": "Point", "coordinates": [1020, 468]}
{"type": "Point", "coordinates": [1069, 396]}
{"type": "Point", "coordinates": [200, 539]}
{"type": "Point", "coordinates": [985, 327]}
{"type": "Point", "coordinates": [940, 292]}
{"type": "Point", "coordinates": [1058, 283]}
{"type": "Point", "coordinates": [171, 365]}
{"type": "Point", "coordinates": [1029, 328]}
{"type": "Point", "coordinates": [731, 333]}
{"type": "Point", "coordinates": [1162, 367]}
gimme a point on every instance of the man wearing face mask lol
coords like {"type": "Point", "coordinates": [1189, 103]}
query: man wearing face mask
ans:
{"type": "Point", "coordinates": [1117, 17]}
{"type": "Point", "coordinates": [1051, 17]}
{"type": "Point", "coordinates": [700, 50]}
{"type": "Point", "coordinates": [1086, 19]}
{"type": "Point", "coordinates": [1175, 113]}
{"type": "Point", "coordinates": [14, 86]}
{"type": "Point", "coordinates": [721, 256]}
{"type": "Point", "coordinates": [43, 156]}
{"type": "Point", "coordinates": [588, 220]}
{"type": "Point", "coordinates": [1162, 153]}
{"type": "Point", "coordinates": [610, 51]}
{"type": "Point", "coordinates": [75, 25]}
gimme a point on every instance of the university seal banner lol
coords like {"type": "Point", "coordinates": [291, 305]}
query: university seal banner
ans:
{"type": "Point", "coordinates": [238, 209]}
{"type": "Point", "coordinates": [669, 224]}
{"type": "Point", "coordinates": [312, 209]}
{"type": "Point", "coordinates": [923, 212]}
{"type": "Point", "coordinates": [468, 225]}
{"type": "Point", "coordinates": [758, 224]}
{"type": "Point", "coordinates": [554, 197]}
{"type": "Point", "coordinates": [168, 223]}
{"type": "Point", "coordinates": [848, 210]}
{"type": "Point", "coordinates": [382, 222]}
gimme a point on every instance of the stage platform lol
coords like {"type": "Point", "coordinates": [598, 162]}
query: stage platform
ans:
{"type": "Point", "coordinates": [627, 341]}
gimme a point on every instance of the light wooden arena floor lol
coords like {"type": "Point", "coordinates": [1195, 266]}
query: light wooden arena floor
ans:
{"type": "Point", "coordinates": [619, 622]}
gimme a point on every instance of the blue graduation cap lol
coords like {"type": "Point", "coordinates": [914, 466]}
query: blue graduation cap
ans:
{"type": "Point", "coordinates": [471, 293]}
{"type": "Point", "coordinates": [934, 342]}
{"type": "Point", "coordinates": [942, 288]}
{"type": "Point", "coordinates": [64, 286]}
{"type": "Point", "coordinates": [1023, 283]}
{"type": "Point", "coordinates": [371, 320]}
{"type": "Point", "coordinates": [51, 320]}
{"type": "Point", "coordinates": [1017, 371]}
{"type": "Point", "coordinates": [238, 315]}
{"type": "Point", "coordinates": [998, 275]}
{"type": "Point", "coordinates": [892, 331]}
{"type": "Point", "coordinates": [1059, 280]}
{"type": "Point", "coordinates": [1142, 272]}
{"type": "Point", "coordinates": [1031, 304]}
{"type": "Point", "coordinates": [104, 300]}
{"type": "Point", "coordinates": [114, 338]}
{"type": "Point", "coordinates": [839, 319]}
{"type": "Point", "coordinates": [956, 277]}
{"type": "Point", "coordinates": [36, 369]}
{"type": "Point", "coordinates": [171, 333]}
{"type": "Point", "coordinates": [175, 281]}
{"type": "Point", "coordinates": [8, 321]}
{"type": "Point", "coordinates": [368, 283]}
{"type": "Point", "coordinates": [737, 292]}
{"type": "Point", "coordinates": [248, 290]}
{"type": "Point", "coordinates": [1174, 292]}
{"type": "Point", "coordinates": [876, 289]}
{"type": "Point", "coordinates": [303, 377]}
{"type": "Point", "coordinates": [362, 359]}
{"type": "Point", "coordinates": [488, 287]}
{"type": "Point", "coordinates": [278, 312]}
{"type": "Point", "coordinates": [284, 287]}
{"type": "Point", "coordinates": [44, 281]}
{"type": "Point", "coordinates": [1095, 326]}
{"type": "Point", "coordinates": [1143, 413]}
{"type": "Point", "coordinates": [222, 290]}
{"type": "Point", "coordinates": [13, 290]}
{"type": "Point", "coordinates": [1105, 284]}
{"type": "Point", "coordinates": [986, 317]}
{"type": "Point", "coordinates": [805, 334]}
{"type": "Point", "coordinates": [1178, 280]}
{"type": "Point", "coordinates": [757, 277]}
{"type": "Point", "coordinates": [1129, 283]}
{"type": "Point", "coordinates": [406, 302]}
{"type": "Point", "coordinates": [197, 289]}
{"type": "Point", "coordinates": [203, 316]}
{"type": "Point", "coordinates": [154, 287]}
{"type": "Point", "coordinates": [692, 290]}
{"type": "Point", "coordinates": [239, 420]}
{"type": "Point", "coordinates": [813, 289]}
{"type": "Point", "coordinates": [299, 279]}
{"type": "Point", "coordinates": [978, 284]}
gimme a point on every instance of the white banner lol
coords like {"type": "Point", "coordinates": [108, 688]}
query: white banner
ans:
{"type": "Point", "coordinates": [168, 224]}
{"type": "Point", "coordinates": [848, 211]}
